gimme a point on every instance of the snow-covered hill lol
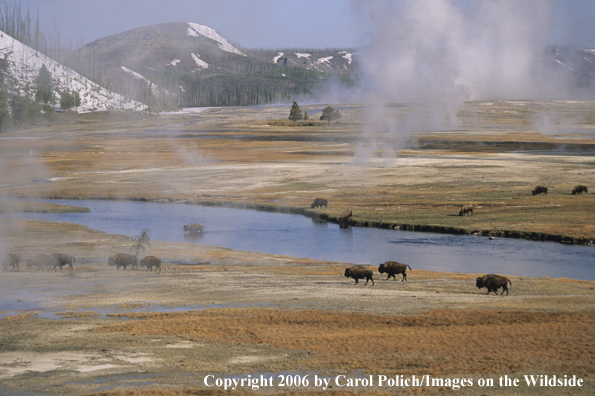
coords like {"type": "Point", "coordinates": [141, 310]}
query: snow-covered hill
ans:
{"type": "Point", "coordinates": [25, 63]}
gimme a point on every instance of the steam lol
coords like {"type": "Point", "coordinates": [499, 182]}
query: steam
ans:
{"type": "Point", "coordinates": [444, 52]}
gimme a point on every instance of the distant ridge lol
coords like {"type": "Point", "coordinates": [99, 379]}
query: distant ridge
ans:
{"type": "Point", "coordinates": [25, 63]}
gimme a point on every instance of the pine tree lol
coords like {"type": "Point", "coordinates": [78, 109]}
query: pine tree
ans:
{"type": "Point", "coordinates": [44, 86]}
{"type": "Point", "coordinates": [5, 117]}
{"type": "Point", "coordinates": [306, 117]}
{"type": "Point", "coordinates": [329, 114]}
{"type": "Point", "coordinates": [295, 114]}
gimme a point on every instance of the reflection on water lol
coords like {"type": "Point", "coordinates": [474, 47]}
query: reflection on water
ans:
{"type": "Point", "coordinates": [299, 236]}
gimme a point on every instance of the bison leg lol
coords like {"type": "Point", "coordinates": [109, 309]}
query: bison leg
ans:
{"type": "Point", "coordinates": [404, 277]}
{"type": "Point", "coordinates": [355, 281]}
{"type": "Point", "coordinates": [369, 279]}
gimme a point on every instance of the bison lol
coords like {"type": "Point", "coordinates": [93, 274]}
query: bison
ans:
{"type": "Point", "coordinates": [122, 260]}
{"type": "Point", "coordinates": [539, 190]}
{"type": "Point", "coordinates": [344, 219]}
{"type": "Point", "coordinates": [493, 282]}
{"type": "Point", "coordinates": [359, 272]}
{"type": "Point", "coordinates": [579, 189]}
{"type": "Point", "coordinates": [10, 260]}
{"type": "Point", "coordinates": [63, 259]}
{"type": "Point", "coordinates": [466, 209]}
{"type": "Point", "coordinates": [194, 227]}
{"type": "Point", "coordinates": [392, 268]}
{"type": "Point", "coordinates": [319, 203]}
{"type": "Point", "coordinates": [150, 262]}
{"type": "Point", "coordinates": [42, 260]}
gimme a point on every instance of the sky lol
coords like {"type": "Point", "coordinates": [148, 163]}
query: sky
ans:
{"type": "Point", "coordinates": [249, 23]}
{"type": "Point", "coordinates": [268, 23]}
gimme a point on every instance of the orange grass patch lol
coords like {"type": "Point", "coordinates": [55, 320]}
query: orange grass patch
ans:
{"type": "Point", "coordinates": [439, 342]}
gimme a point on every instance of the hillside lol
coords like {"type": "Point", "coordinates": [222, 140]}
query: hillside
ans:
{"type": "Point", "coordinates": [24, 63]}
{"type": "Point", "coordinates": [187, 64]}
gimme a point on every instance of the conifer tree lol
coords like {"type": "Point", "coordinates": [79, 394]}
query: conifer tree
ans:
{"type": "Point", "coordinates": [5, 117]}
{"type": "Point", "coordinates": [306, 117]}
{"type": "Point", "coordinates": [295, 114]}
{"type": "Point", "coordinates": [329, 114]}
{"type": "Point", "coordinates": [44, 86]}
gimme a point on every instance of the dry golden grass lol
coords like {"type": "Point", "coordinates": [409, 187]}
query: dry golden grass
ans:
{"type": "Point", "coordinates": [439, 342]}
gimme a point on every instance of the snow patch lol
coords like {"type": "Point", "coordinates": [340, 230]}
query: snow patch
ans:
{"type": "Point", "coordinates": [25, 62]}
{"type": "Point", "coordinates": [199, 62]}
{"type": "Point", "coordinates": [174, 62]}
{"type": "Point", "coordinates": [196, 30]}
{"type": "Point", "coordinates": [324, 61]}
{"type": "Point", "coordinates": [303, 55]}
{"type": "Point", "coordinates": [276, 58]}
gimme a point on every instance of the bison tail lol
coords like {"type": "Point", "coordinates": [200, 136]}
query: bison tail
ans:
{"type": "Point", "coordinates": [509, 282]}
{"type": "Point", "coordinates": [409, 267]}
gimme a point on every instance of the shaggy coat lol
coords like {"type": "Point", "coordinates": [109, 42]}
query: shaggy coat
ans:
{"type": "Point", "coordinates": [392, 268]}
{"type": "Point", "coordinates": [319, 203]}
{"type": "Point", "coordinates": [123, 260]}
{"type": "Point", "coordinates": [539, 190]}
{"type": "Point", "coordinates": [150, 262]}
{"type": "Point", "coordinates": [493, 282]}
{"type": "Point", "coordinates": [359, 272]}
{"type": "Point", "coordinates": [63, 259]}
{"type": "Point", "coordinates": [10, 260]}
{"type": "Point", "coordinates": [42, 260]}
{"type": "Point", "coordinates": [194, 227]}
{"type": "Point", "coordinates": [466, 209]}
{"type": "Point", "coordinates": [579, 189]}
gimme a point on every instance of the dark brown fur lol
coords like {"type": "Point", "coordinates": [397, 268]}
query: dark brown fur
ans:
{"type": "Point", "coordinates": [493, 282]}
{"type": "Point", "coordinates": [150, 262]}
{"type": "Point", "coordinates": [319, 202]}
{"type": "Point", "coordinates": [392, 268]}
{"type": "Point", "coordinates": [194, 227]}
{"type": "Point", "coordinates": [539, 190]}
{"type": "Point", "coordinates": [10, 260]}
{"type": "Point", "coordinates": [466, 209]}
{"type": "Point", "coordinates": [359, 272]}
{"type": "Point", "coordinates": [42, 260]}
{"type": "Point", "coordinates": [122, 260]}
{"type": "Point", "coordinates": [63, 259]}
{"type": "Point", "coordinates": [579, 189]}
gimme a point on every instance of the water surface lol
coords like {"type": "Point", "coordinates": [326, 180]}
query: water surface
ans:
{"type": "Point", "coordinates": [299, 236]}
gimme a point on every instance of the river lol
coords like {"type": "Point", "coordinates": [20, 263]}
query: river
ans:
{"type": "Point", "coordinates": [299, 236]}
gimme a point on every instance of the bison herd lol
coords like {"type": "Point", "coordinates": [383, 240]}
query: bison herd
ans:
{"type": "Point", "coordinates": [10, 262]}
{"type": "Point", "coordinates": [492, 282]}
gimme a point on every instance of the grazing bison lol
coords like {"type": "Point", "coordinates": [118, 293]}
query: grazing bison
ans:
{"type": "Point", "coordinates": [10, 260]}
{"type": "Point", "coordinates": [194, 227]}
{"type": "Point", "coordinates": [42, 260]}
{"type": "Point", "coordinates": [344, 219]}
{"type": "Point", "coordinates": [63, 259]}
{"type": "Point", "coordinates": [319, 203]}
{"type": "Point", "coordinates": [466, 209]}
{"type": "Point", "coordinates": [122, 260]}
{"type": "Point", "coordinates": [392, 268]}
{"type": "Point", "coordinates": [579, 189]}
{"type": "Point", "coordinates": [539, 190]}
{"type": "Point", "coordinates": [150, 262]}
{"type": "Point", "coordinates": [359, 272]}
{"type": "Point", "coordinates": [493, 282]}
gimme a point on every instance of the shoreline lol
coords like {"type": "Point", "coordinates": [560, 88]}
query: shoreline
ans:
{"type": "Point", "coordinates": [528, 235]}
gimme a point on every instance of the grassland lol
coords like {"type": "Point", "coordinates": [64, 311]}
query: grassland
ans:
{"type": "Point", "coordinates": [231, 313]}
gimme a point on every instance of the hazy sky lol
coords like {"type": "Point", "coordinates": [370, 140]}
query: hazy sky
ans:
{"type": "Point", "coordinates": [267, 23]}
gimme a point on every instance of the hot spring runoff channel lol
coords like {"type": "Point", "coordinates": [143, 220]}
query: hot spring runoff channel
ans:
{"type": "Point", "coordinates": [299, 236]}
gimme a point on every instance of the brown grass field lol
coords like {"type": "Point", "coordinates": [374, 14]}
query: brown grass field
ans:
{"type": "Point", "coordinates": [95, 330]}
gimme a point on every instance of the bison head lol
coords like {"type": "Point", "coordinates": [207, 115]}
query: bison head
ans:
{"type": "Point", "coordinates": [381, 268]}
{"type": "Point", "coordinates": [479, 282]}
{"type": "Point", "coordinates": [111, 261]}
{"type": "Point", "coordinates": [347, 272]}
